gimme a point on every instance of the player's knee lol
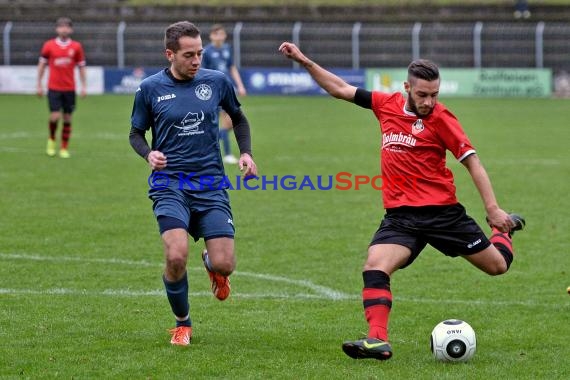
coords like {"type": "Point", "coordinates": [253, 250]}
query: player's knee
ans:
{"type": "Point", "coordinates": [176, 265]}
{"type": "Point", "coordinates": [497, 268]}
{"type": "Point", "coordinates": [227, 267]}
{"type": "Point", "coordinates": [223, 264]}
{"type": "Point", "coordinates": [176, 257]}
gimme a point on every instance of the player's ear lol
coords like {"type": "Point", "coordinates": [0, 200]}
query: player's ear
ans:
{"type": "Point", "coordinates": [169, 54]}
{"type": "Point", "coordinates": [407, 86]}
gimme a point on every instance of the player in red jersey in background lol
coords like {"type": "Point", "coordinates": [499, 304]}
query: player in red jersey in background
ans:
{"type": "Point", "coordinates": [416, 133]}
{"type": "Point", "coordinates": [61, 55]}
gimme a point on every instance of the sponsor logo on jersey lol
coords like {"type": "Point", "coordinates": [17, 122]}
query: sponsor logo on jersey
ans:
{"type": "Point", "coordinates": [471, 245]}
{"type": "Point", "coordinates": [165, 97]}
{"type": "Point", "coordinates": [398, 139]}
{"type": "Point", "coordinates": [62, 61]}
{"type": "Point", "coordinates": [190, 125]}
{"type": "Point", "coordinates": [203, 92]}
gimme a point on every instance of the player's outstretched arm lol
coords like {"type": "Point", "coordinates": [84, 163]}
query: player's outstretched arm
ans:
{"type": "Point", "coordinates": [496, 216]}
{"type": "Point", "coordinates": [328, 81]}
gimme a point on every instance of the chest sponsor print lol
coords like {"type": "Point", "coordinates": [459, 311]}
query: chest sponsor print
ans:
{"type": "Point", "coordinates": [190, 124]}
{"type": "Point", "coordinates": [398, 141]}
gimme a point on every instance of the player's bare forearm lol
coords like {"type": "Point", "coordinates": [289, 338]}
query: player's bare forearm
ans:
{"type": "Point", "coordinates": [481, 181]}
{"type": "Point", "coordinates": [497, 217]}
{"type": "Point", "coordinates": [330, 82]}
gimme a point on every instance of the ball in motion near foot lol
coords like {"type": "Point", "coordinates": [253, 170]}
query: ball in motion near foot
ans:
{"type": "Point", "coordinates": [453, 340]}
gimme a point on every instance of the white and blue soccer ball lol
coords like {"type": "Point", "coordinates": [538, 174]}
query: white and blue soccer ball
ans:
{"type": "Point", "coordinates": [453, 340]}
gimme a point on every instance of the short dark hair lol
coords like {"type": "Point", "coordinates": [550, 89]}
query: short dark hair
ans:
{"type": "Point", "coordinates": [64, 21]}
{"type": "Point", "coordinates": [423, 69]}
{"type": "Point", "coordinates": [177, 30]}
{"type": "Point", "coordinates": [216, 27]}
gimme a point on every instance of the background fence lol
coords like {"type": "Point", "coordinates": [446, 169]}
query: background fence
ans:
{"type": "Point", "coordinates": [350, 45]}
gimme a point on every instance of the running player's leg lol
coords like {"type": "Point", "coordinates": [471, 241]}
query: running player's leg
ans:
{"type": "Point", "coordinates": [395, 245]}
{"type": "Point", "coordinates": [219, 261]}
{"type": "Point", "coordinates": [55, 105]}
{"type": "Point", "coordinates": [382, 261]}
{"type": "Point", "coordinates": [220, 255]}
{"type": "Point", "coordinates": [173, 219]}
{"type": "Point", "coordinates": [175, 278]}
{"type": "Point", "coordinates": [215, 224]}
{"type": "Point", "coordinates": [496, 259]}
{"type": "Point", "coordinates": [490, 260]}
{"type": "Point", "coordinates": [68, 108]}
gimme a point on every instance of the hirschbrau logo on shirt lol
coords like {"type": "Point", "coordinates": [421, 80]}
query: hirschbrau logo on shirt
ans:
{"type": "Point", "coordinates": [417, 127]}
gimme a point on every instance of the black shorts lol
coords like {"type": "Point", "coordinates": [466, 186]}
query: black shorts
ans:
{"type": "Point", "coordinates": [446, 228]}
{"type": "Point", "coordinates": [61, 100]}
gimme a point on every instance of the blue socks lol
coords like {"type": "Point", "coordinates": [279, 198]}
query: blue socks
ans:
{"type": "Point", "coordinates": [225, 137]}
{"type": "Point", "coordinates": [177, 293]}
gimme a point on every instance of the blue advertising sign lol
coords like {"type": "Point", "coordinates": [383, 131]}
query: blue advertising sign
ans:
{"type": "Point", "coordinates": [292, 82]}
{"type": "Point", "coordinates": [126, 81]}
{"type": "Point", "coordinates": [259, 81]}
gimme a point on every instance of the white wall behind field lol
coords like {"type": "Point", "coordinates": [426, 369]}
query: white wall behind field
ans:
{"type": "Point", "coordinates": [23, 79]}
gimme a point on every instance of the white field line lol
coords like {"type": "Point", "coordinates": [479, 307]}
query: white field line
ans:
{"type": "Point", "coordinates": [318, 292]}
{"type": "Point", "coordinates": [127, 293]}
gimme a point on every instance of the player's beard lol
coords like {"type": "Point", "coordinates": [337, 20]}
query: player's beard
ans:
{"type": "Point", "coordinates": [183, 72]}
{"type": "Point", "coordinates": [414, 107]}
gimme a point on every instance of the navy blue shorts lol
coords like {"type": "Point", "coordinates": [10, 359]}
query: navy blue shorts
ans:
{"type": "Point", "coordinates": [204, 214]}
{"type": "Point", "coordinates": [446, 228]}
{"type": "Point", "coordinates": [61, 100]}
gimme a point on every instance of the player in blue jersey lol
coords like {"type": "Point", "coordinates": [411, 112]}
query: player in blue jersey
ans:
{"type": "Point", "coordinates": [218, 56]}
{"type": "Point", "coordinates": [180, 105]}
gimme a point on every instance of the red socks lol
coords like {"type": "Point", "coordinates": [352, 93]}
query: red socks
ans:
{"type": "Point", "coordinates": [377, 301]}
{"type": "Point", "coordinates": [503, 242]}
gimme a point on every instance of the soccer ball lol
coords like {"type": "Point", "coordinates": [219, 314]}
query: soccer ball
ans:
{"type": "Point", "coordinates": [453, 340]}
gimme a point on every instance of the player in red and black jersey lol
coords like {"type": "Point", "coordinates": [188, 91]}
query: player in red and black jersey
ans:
{"type": "Point", "coordinates": [61, 55]}
{"type": "Point", "coordinates": [421, 206]}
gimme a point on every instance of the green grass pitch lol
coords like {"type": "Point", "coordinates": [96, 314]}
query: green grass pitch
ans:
{"type": "Point", "coordinates": [81, 259]}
